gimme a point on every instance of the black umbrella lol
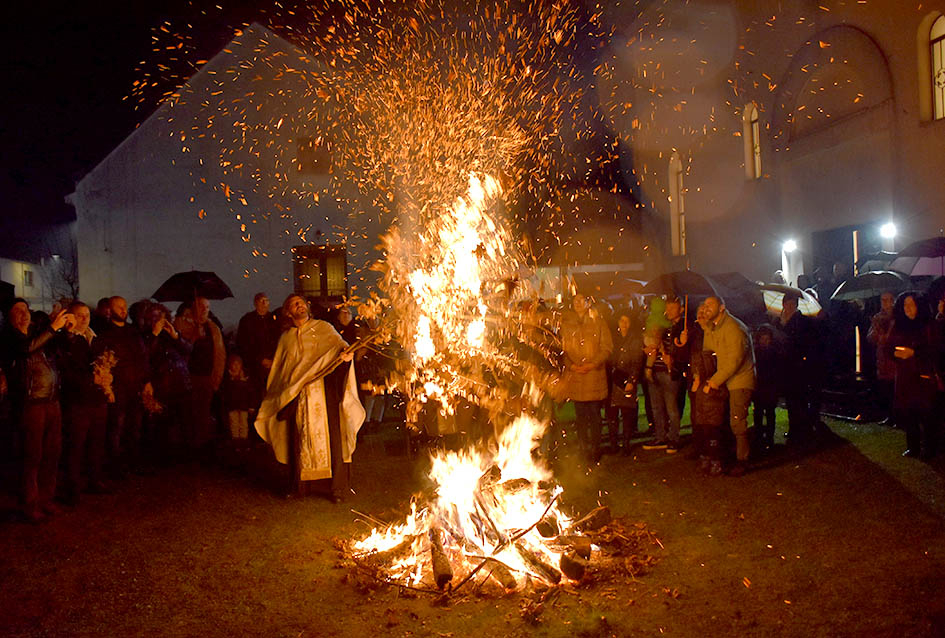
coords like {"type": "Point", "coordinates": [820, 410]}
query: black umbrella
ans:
{"type": "Point", "coordinates": [870, 285]}
{"type": "Point", "coordinates": [681, 283]}
{"type": "Point", "coordinates": [742, 297]}
{"type": "Point", "coordinates": [184, 286]}
{"type": "Point", "coordinates": [925, 257]}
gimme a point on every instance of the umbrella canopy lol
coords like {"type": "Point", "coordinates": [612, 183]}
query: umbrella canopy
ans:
{"type": "Point", "coordinates": [807, 304]}
{"type": "Point", "coordinates": [925, 257]}
{"type": "Point", "coordinates": [742, 297]}
{"type": "Point", "coordinates": [184, 286]}
{"type": "Point", "coordinates": [870, 285]}
{"type": "Point", "coordinates": [876, 261]}
{"type": "Point", "coordinates": [681, 283]}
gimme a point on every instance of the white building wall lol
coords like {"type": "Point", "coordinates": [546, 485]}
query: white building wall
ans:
{"type": "Point", "coordinates": [161, 202]}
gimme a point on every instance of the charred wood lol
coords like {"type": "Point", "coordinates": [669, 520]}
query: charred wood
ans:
{"type": "Point", "coordinates": [537, 565]}
{"type": "Point", "coordinates": [595, 519]}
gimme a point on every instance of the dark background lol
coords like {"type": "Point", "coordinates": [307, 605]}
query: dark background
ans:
{"type": "Point", "coordinates": [69, 69]}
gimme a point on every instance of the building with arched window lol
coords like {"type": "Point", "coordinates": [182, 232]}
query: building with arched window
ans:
{"type": "Point", "coordinates": [801, 120]}
{"type": "Point", "coordinates": [751, 132]}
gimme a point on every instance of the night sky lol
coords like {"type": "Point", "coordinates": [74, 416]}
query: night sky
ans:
{"type": "Point", "coordinates": [69, 68]}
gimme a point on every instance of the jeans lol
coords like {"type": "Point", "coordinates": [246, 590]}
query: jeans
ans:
{"type": "Point", "coordinates": [588, 425]}
{"type": "Point", "coordinates": [664, 397]}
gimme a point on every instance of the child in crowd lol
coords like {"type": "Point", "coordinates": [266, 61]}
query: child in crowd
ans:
{"type": "Point", "coordinates": [237, 399]}
{"type": "Point", "coordinates": [766, 386]}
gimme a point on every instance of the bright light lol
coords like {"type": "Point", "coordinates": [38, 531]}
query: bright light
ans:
{"type": "Point", "coordinates": [789, 246]}
{"type": "Point", "coordinates": [887, 230]}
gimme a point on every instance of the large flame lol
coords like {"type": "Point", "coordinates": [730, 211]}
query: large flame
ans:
{"type": "Point", "coordinates": [486, 505]}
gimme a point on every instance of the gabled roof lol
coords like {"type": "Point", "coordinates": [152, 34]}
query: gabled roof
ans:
{"type": "Point", "coordinates": [246, 44]}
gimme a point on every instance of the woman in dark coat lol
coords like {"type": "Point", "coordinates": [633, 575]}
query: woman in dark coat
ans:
{"type": "Point", "coordinates": [625, 367]}
{"type": "Point", "coordinates": [911, 346]}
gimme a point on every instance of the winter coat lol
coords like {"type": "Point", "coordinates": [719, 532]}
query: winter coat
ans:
{"type": "Point", "coordinates": [131, 371]}
{"type": "Point", "coordinates": [916, 382]}
{"type": "Point", "coordinates": [31, 371]}
{"type": "Point", "coordinates": [76, 358]}
{"type": "Point", "coordinates": [730, 342]}
{"type": "Point", "coordinates": [207, 347]}
{"type": "Point", "coordinates": [167, 357]}
{"type": "Point", "coordinates": [707, 408]}
{"type": "Point", "coordinates": [878, 335]}
{"type": "Point", "coordinates": [626, 366]}
{"type": "Point", "coordinates": [585, 340]}
{"type": "Point", "coordinates": [257, 337]}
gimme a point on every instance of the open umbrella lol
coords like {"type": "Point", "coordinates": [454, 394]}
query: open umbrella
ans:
{"type": "Point", "coordinates": [184, 286]}
{"type": "Point", "coordinates": [925, 257]}
{"type": "Point", "coordinates": [870, 285]}
{"type": "Point", "coordinates": [681, 283]}
{"type": "Point", "coordinates": [742, 297]}
{"type": "Point", "coordinates": [807, 304]}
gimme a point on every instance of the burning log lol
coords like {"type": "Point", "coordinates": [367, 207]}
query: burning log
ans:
{"type": "Point", "coordinates": [501, 573]}
{"type": "Point", "coordinates": [581, 545]}
{"type": "Point", "coordinates": [490, 478]}
{"type": "Point", "coordinates": [516, 485]}
{"type": "Point", "coordinates": [548, 526]}
{"type": "Point", "coordinates": [396, 552]}
{"type": "Point", "coordinates": [545, 571]}
{"type": "Point", "coordinates": [442, 570]}
{"type": "Point", "coordinates": [595, 519]}
{"type": "Point", "coordinates": [572, 565]}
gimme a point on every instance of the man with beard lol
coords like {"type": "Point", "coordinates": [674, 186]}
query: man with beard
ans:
{"type": "Point", "coordinates": [310, 420]}
{"type": "Point", "coordinates": [728, 338]}
{"type": "Point", "coordinates": [131, 376]}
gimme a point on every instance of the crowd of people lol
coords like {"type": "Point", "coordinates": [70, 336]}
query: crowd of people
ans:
{"type": "Point", "coordinates": [92, 395]}
{"type": "Point", "coordinates": [669, 354]}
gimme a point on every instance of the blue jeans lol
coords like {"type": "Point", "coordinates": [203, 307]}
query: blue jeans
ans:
{"type": "Point", "coordinates": [664, 397]}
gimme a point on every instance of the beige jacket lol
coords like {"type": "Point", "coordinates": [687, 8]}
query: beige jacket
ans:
{"type": "Point", "coordinates": [729, 340]}
{"type": "Point", "coordinates": [585, 340]}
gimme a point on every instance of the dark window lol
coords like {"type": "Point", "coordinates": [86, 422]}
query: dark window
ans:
{"type": "Point", "coordinates": [28, 278]}
{"type": "Point", "coordinates": [321, 272]}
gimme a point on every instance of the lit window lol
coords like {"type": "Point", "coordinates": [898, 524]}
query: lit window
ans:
{"type": "Point", "coordinates": [937, 45]}
{"type": "Point", "coordinates": [321, 271]}
{"type": "Point", "coordinates": [677, 207]}
{"type": "Point", "coordinates": [751, 132]}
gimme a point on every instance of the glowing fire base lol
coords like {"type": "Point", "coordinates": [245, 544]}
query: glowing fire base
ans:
{"type": "Point", "coordinates": [494, 517]}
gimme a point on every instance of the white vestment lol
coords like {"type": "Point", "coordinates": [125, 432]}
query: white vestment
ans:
{"type": "Point", "coordinates": [303, 353]}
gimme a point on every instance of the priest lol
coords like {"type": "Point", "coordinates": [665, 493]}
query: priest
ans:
{"type": "Point", "coordinates": [310, 418]}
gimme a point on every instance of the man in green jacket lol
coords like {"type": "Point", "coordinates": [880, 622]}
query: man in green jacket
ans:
{"type": "Point", "coordinates": [728, 338]}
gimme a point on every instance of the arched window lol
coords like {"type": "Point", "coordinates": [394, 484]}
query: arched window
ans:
{"type": "Point", "coordinates": [751, 133]}
{"type": "Point", "coordinates": [677, 207]}
{"type": "Point", "coordinates": [937, 46]}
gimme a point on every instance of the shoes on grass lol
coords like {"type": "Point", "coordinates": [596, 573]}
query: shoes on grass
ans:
{"type": "Point", "coordinates": [655, 445]}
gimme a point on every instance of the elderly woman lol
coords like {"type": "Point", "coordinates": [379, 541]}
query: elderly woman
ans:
{"type": "Point", "coordinates": [911, 345]}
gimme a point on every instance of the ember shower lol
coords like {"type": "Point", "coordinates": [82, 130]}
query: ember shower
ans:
{"type": "Point", "coordinates": [445, 114]}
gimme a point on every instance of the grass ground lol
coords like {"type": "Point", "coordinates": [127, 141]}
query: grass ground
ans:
{"type": "Point", "coordinates": [847, 540]}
